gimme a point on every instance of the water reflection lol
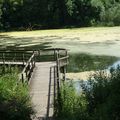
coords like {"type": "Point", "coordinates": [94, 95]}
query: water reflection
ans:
{"type": "Point", "coordinates": [114, 65]}
{"type": "Point", "coordinates": [87, 62]}
{"type": "Point", "coordinates": [78, 83]}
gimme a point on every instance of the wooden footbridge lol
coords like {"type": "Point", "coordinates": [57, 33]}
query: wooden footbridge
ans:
{"type": "Point", "coordinates": [43, 70]}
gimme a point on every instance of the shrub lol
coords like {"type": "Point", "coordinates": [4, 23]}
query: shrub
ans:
{"type": "Point", "coordinates": [73, 105]}
{"type": "Point", "coordinates": [99, 99]}
{"type": "Point", "coordinates": [104, 95]}
{"type": "Point", "coordinates": [14, 99]}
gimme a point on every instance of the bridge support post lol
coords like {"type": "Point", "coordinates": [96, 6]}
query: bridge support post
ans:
{"type": "Point", "coordinates": [64, 73]}
{"type": "Point", "coordinates": [23, 59]}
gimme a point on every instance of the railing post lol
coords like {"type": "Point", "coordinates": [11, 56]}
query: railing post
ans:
{"type": "Point", "coordinates": [58, 71]}
{"type": "Point", "coordinates": [26, 73]}
{"type": "Point", "coordinates": [23, 58]}
{"type": "Point", "coordinates": [54, 54]}
{"type": "Point", "coordinates": [14, 57]}
{"type": "Point", "coordinates": [3, 55]}
{"type": "Point", "coordinates": [29, 70]}
{"type": "Point", "coordinates": [54, 88]}
{"type": "Point", "coordinates": [58, 84]}
{"type": "Point", "coordinates": [22, 78]}
{"type": "Point", "coordinates": [34, 59]}
{"type": "Point", "coordinates": [66, 54]}
{"type": "Point", "coordinates": [64, 73]}
{"type": "Point", "coordinates": [3, 70]}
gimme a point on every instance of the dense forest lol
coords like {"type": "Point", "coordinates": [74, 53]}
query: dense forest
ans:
{"type": "Point", "coordinates": [44, 14]}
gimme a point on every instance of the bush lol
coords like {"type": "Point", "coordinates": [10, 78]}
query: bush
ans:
{"type": "Point", "coordinates": [100, 99]}
{"type": "Point", "coordinates": [104, 95]}
{"type": "Point", "coordinates": [109, 12]}
{"type": "Point", "coordinates": [73, 105]}
{"type": "Point", "coordinates": [14, 99]}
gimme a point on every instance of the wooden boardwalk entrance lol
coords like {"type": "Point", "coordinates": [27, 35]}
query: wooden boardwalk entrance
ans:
{"type": "Point", "coordinates": [40, 85]}
{"type": "Point", "coordinates": [43, 77]}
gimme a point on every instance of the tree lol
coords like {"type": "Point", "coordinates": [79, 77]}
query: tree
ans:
{"type": "Point", "coordinates": [109, 11]}
{"type": "Point", "coordinates": [11, 16]}
{"type": "Point", "coordinates": [0, 14]}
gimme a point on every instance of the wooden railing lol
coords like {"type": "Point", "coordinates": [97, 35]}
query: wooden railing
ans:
{"type": "Point", "coordinates": [14, 56]}
{"type": "Point", "coordinates": [58, 55]}
{"type": "Point", "coordinates": [61, 62]}
{"type": "Point", "coordinates": [50, 54]}
{"type": "Point", "coordinates": [28, 69]}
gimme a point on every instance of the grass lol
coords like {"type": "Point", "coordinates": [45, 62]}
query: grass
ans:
{"type": "Point", "coordinates": [8, 69]}
{"type": "Point", "coordinates": [73, 106]}
{"type": "Point", "coordinates": [15, 103]}
{"type": "Point", "coordinates": [98, 100]}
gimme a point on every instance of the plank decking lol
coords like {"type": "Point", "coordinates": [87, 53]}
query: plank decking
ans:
{"type": "Point", "coordinates": [43, 78]}
{"type": "Point", "coordinates": [40, 88]}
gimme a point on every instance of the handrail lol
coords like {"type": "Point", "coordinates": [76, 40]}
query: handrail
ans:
{"type": "Point", "coordinates": [52, 49]}
{"type": "Point", "coordinates": [28, 69]}
{"type": "Point", "coordinates": [15, 56]}
{"type": "Point", "coordinates": [62, 58]}
{"type": "Point", "coordinates": [56, 72]}
{"type": "Point", "coordinates": [28, 63]}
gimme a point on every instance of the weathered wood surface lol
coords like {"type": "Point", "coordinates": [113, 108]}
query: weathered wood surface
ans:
{"type": "Point", "coordinates": [12, 63]}
{"type": "Point", "coordinates": [39, 89]}
{"type": "Point", "coordinates": [41, 77]}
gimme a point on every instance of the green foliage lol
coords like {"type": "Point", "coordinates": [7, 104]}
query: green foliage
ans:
{"type": "Point", "coordinates": [14, 99]}
{"type": "Point", "coordinates": [99, 99]}
{"type": "Point", "coordinates": [104, 95]}
{"type": "Point", "coordinates": [109, 11]}
{"type": "Point", "coordinates": [9, 69]}
{"type": "Point", "coordinates": [73, 105]}
{"type": "Point", "coordinates": [0, 14]}
{"type": "Point", "coordinates": [35, 14]}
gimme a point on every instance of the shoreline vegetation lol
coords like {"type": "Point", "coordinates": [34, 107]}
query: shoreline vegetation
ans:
{"type": "Point", "coordinates": [15, 102]}
{"type": "Point", "coordinates": [98, 100]}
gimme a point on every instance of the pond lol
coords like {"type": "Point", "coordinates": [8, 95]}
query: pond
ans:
{"type": "Point", "coordinates": [78, 83]}
{"type": "Point", "coordinates": [86, 62]}
{"type": "Point", "coordinates": [82, 65]}
{"type": "Point", "coordinates": [90, 49]}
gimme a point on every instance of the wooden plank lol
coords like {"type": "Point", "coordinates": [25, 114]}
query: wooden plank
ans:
{"type": "Point", "coordinates": [11, 63]}
{"type": "Point", "coordinates": [39, 89]}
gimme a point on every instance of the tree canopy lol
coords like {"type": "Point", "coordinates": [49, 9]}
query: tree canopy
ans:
{"type": "Point", "coordinates": [37, 14]}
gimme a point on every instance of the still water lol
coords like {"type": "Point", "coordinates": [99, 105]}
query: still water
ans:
{"type": "Point", "coordinates": [77, 83]}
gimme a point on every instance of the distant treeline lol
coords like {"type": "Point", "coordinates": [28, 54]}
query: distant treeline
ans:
{"type": "Point", "coordinates": [44, 14]}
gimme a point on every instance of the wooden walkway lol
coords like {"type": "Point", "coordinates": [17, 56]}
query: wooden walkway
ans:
{"type": "Point", "coordinates": [39, 89]}
{"type": "Point", "coordinates": [43, 77]}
